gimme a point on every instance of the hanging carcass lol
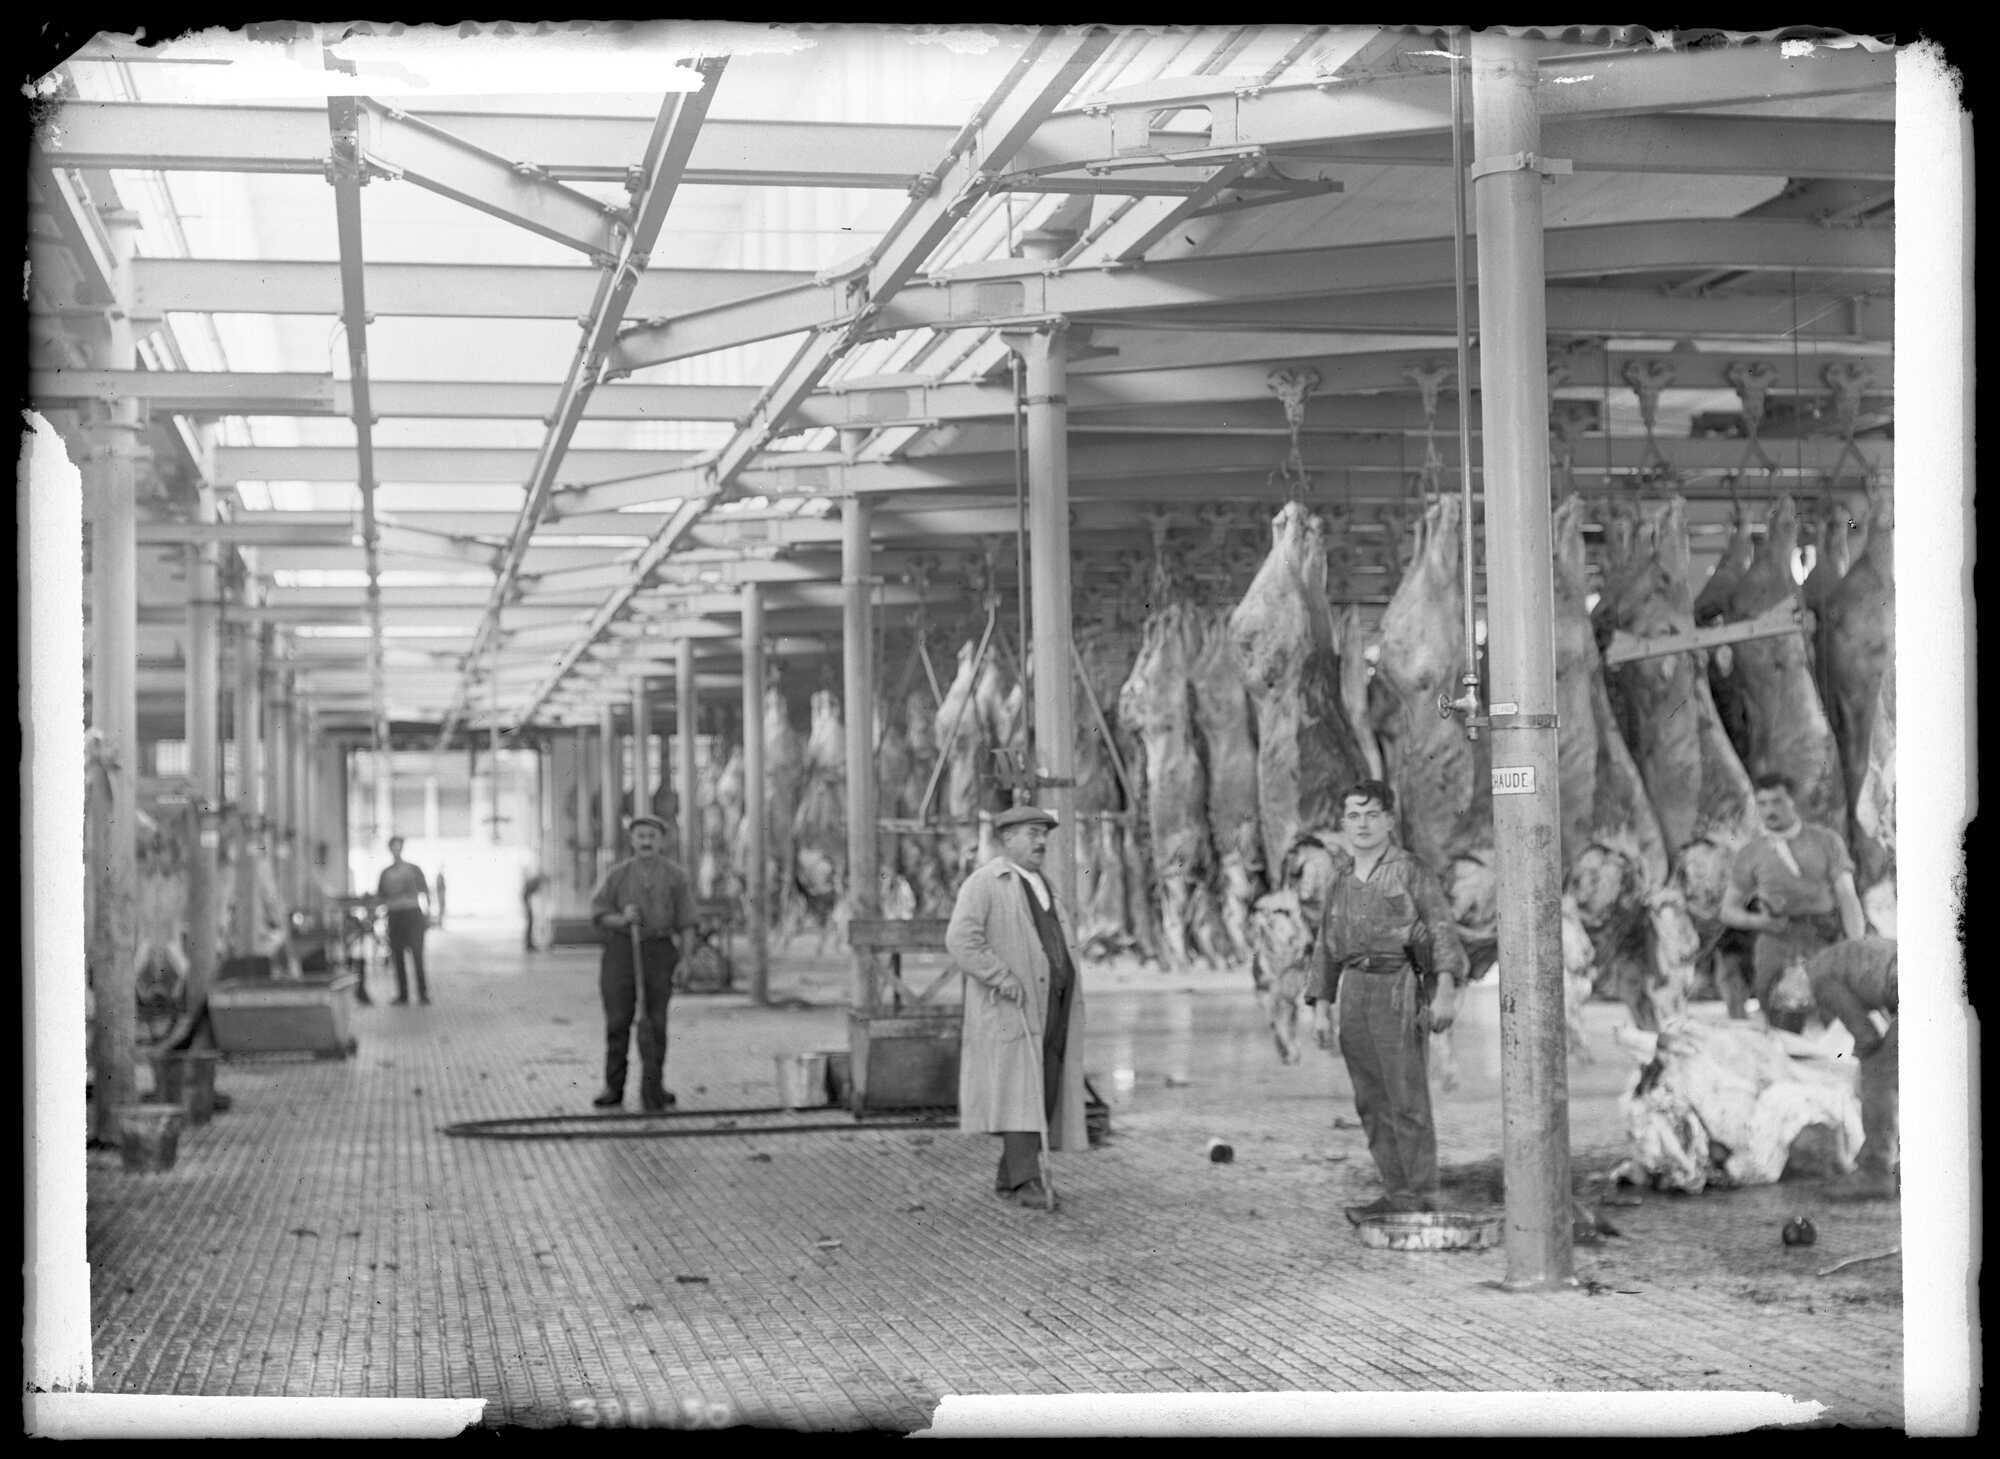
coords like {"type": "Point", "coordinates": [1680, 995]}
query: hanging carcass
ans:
{"type": "Point", "coordinates": [1443, 797]}
{"type": "Point", "coordinates": [959, 740]}
{"type": "Point", "coordinates": [1711, 606]}
{"type": "Point", "coordinates": [1858, 621]}
{"type": "Point", "coordinates": [1875, 806]}
{"type": "Point", "coordinates": [784, 765]}
{"type": "Point", "coordinates": [819, 826]}
{"type": "Point", "coordinates": [1101, 793]}
{"type": "Point", "coordinates": [1282, 631]}
{"type": "Point", "coordinates": [1786, 725]}
{"type": "Point", "coordinates": [720, 797]}
{"type": "Point", "coordinates": [1229, 751]}
{"type": "Point", "coordinates": [1832, 556]}
{"type": "Point", "coordinates": [1157, 703]}
{"type": "Point", "coordinates": [1694, 782]}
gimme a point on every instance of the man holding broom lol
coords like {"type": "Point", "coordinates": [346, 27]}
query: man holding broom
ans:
{"type": "Point", "coordinates": [1020, 1072]}
{"type": "Point", "coordinates": [645, 910]}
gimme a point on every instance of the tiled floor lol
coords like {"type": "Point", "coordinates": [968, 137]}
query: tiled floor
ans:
{"type": "Point", "coordinates": [325, 1238]}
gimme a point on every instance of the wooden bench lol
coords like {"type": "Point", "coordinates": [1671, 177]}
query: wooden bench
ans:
{"type": "Point", "coordinates": [891, 937]}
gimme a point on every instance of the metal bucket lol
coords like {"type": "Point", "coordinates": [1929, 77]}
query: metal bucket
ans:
{"type": "Point", "coordinates": [149, 1135]}
{"type": "Point", "coordinates": [839, 1075]}
{"type": "Point", "coordinates": [187, 1078]}
{"type": "Point", "coordinates": [802, 1080]}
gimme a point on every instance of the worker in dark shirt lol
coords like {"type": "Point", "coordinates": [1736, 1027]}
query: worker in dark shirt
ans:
{"type": "Point", "coordinates": [406, 898]}
{"type": "Point", "coordinates": [650, 893]}
{"type": "Point", "coordinates": [1385, 914]}
{"type": "Point", "coordinates": [1855, 982]}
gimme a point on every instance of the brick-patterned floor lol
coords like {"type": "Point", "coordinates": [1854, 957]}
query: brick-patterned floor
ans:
{"type": "Point", "coordinates": [325, 1238]}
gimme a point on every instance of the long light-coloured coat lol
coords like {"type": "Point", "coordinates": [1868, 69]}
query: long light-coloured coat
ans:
{"type": "Point", "coordinates": [992, 939]}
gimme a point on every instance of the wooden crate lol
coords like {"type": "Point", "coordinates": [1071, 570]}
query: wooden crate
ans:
{"type": "Point", "coordinates": [283, 1015]}
{"type": "Point", "coordinates": [908, 1061]}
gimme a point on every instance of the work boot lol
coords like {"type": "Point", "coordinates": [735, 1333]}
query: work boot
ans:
{"type": "Point", "coordinates": [609, 1099]}
{"type": "Point", "coordinates": [1382, 1206]}
{"type": "Point", "coordinates": [1035, 1196]}
{"type": "Point", "coordinates": [657, 1100]}
{"type": "Point", "coordinates": [1863, 1185]}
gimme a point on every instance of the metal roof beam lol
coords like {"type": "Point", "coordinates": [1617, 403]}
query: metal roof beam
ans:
{"type": "Point", "coordinates": [429, 465]}
{"type": "Point", "coordinates": [406, 148]}
{"type": "Point", "coordinates": [658, 179]}
{"type": "Point", "coordinates": [428, 290]}
{"type": "Point", "coordinates": [171, 137]}
{"type": "Point", "coordinates": [1047, 71]}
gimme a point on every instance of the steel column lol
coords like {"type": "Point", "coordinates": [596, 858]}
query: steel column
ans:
{"type": "Point", "coordinates": [608, 780]}
{"type": "Point", "coordinates": [247, 790]}
{"type": "Point", "coordinates": [204, 740]}
{"type": "Point", "coordinates": [864, 888]}
{"type": "Point", "coordinates": [1507, 190]}
{"type": "Point", "coordinates": [1054, 725]}
{"type": "Point", "coordinates": [277, 772]}
{"type": "Point", "coordinates": [583, 849]}
{"type": "Point", "coordinates": [684, 733]}
{"type": "Point", "coordinates": [642, 734]}
{"type": "Point", "coordinates": [110, 471]}
{"type": "Point", "coordinates": [756, 912]}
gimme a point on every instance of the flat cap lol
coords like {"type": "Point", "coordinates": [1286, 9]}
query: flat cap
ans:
{"type": "Point", "coordinates": [654, 821]}
{"type": "Point", "coordinates": [1024, 815]}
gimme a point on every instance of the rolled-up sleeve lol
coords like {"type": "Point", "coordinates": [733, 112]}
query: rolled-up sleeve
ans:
{"type": "Point", "coordinates": [605, 900]}
{"type": "Point", "coordinates": [1447, 952]}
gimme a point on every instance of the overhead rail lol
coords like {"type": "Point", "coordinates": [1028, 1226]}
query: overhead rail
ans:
{"type": "Point", "coordinates": [1047, 71]}
{"type": "Point", "coordinates": [653, 188]}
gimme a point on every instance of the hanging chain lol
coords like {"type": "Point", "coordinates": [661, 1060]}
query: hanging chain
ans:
{"type": "Point", "coordinates": [1430, 380]}
{"type": "Point", "coordinates": [1752, 381]}
{"type": "Point", "coordinates": [1848, 380]}
{"type": "Point", "coordinates": [1292, 386]}
{"type": "Point", "coordinates": [1647, 379]}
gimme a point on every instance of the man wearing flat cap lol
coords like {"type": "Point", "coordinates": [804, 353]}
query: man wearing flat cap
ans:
{"type": "Point", "coordinates": [1016, 945]}
{"type": "Point", "coordinates": [649, 893]}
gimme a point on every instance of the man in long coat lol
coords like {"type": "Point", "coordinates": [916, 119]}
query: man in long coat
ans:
{"type": "Point", "coordinates": [1016, 945]}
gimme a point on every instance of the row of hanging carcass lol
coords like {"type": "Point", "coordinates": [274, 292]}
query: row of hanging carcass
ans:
{"type": "Point", "coordinates": [1219, 721]}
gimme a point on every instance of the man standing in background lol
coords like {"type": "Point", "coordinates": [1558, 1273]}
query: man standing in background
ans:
{"type": "Point", "coordinates": [645, 910]}
{"type": "Point", "coordinates": [406, 897]}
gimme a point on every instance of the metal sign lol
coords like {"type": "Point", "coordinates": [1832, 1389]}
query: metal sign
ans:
{"type": "Point", "coordinates": [1513, 780]}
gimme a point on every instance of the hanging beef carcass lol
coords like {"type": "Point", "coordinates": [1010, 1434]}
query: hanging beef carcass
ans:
{"type": "Point", "coordinates": [1711, 606]}
{"type": "Point", "coordinates": [958, 737]}
{"type": "Point", "coordinates": [1282, 631]}
{"type": "Point", "coordinates": [1101, 915]}
{"type": "Point", "coordinates": [1157, 703]}
{"type": "Point", "coordinates": [1786, 724]}
{"type": "Point", "coordinates": [1443, 801]}
{"type": "Point", "coordinates": [1350, 641]}
{"type": "Point", "coordinates": [1859, 620]}
{"type": "Point", "coordinates": [819, 827]}
{"type": "Point", "coordinates": [1284, 928]}
{"type": "Point", "coordinates": [1875, 807]}
{"type": "Point", "coordinates": [1108, 809]}
{"type": "Point", "coordinates": [1694, 783]}
{"type": "Point", "coordinates": [1229, 750]}
{"type": "Point", "coordinates": [1577, 671]}
{"type": "Point", "coordinates": [1832, 556]}
{"type": "Point", "coordinates": [784, 766]}
{"type": "Point", "coordinates": [721, 801]}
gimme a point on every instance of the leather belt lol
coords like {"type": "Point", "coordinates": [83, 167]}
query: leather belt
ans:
{"type": "Point", "coordinates": [1376, 965]}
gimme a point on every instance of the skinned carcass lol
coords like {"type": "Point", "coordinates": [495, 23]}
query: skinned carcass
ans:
{"type": "Point", "coordinates": [1577, 672]}
{"type": "Point", "coordinates": [959, 738]}
{"type": "Point", "coordinates": [1100, 868]}
{"type": "Point", "coordinates": [1711, 605]}
{"type": "Point", "coordinates": [1832, 557]}
{"type": "Point", "coordinates": [1284, 929]}
{"type": "Point", "coordinates": [819, 826]}
{"type": "Point", "coordinates": [1157, 703]}
{"type": "Point", "coordinates": [1694, 783]}
{"type": "Point", "coordinates": [1282, 631]}
{"type": "Point", "coordinates": [1444, 802]}
{"type": "Point", "coordinates": [1229, 751]}
{"type": "Point", "coordinates": [1786, 724]}
{"type": "Point", "coordinates": [784, 768]}
{"type": "Point", "coordinates": [1722, 1104]}
{"type": "Point", "coordinates": [1350, 641]}
{"type": "Point", "coordinates": [1859, 630]}
{"type": "Point", "coordinates": [1875, 807]}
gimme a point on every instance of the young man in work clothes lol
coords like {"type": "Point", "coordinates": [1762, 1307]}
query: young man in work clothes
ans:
{"type": "Point", "coordinates": [1016, 945]}
{"type": "Point", "coordinates": [406, 896]}
{"type": "Point", "coordinates": [1384, 913]}
{"type": "Point", "coordinates": [1794, 887]}
{"type": "Point", "coordinates": [650, 892]}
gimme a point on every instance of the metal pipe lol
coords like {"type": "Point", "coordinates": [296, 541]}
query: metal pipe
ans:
{"type": "Point", "coordinates": [608, 779]}
{"type": "Point", "coordinates": [684, 732]}
{"type": "Point", "coordinates": [1054, 757]}
{"type": "Point", "coordinates": [1520, 610]}
{"type": "Point", "coordinates": [246, 790]}
{"type": "Point", "coordinates": [863, 888]}
{"type": "Point", "coordinates": [755, 799]}
{"type": "Point", "coordinates": [1469, 682]}
{"type": "Point", "coordinates": [583, 857]}
{"type": "Point", "coordinates": [1021, 546]}
{"type": "Point", "coordinates": [204, 660]}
